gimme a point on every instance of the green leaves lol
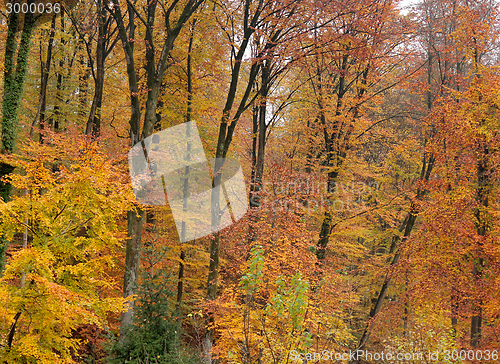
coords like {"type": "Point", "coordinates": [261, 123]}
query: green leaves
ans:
{"type": "Point", "coordinates": [250, 281]}
{"type": "Point", "coordinates": [290, 300]}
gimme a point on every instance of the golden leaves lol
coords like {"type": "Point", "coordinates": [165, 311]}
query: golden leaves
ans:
{"type": "Point", "coordinates": [74, 198]}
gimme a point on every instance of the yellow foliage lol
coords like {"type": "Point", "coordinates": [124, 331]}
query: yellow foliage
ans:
{"type": "Point", "coordinates": [73, 199]}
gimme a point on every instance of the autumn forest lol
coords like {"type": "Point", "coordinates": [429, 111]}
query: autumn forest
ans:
{"type": "Point", "coordinates": [367, 137]}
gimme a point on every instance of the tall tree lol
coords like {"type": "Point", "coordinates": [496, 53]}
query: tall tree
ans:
{"type": "Point", "coordinates": [268, 23]}
{"type": "Point", "coordinates": [449, 59]}
{"type": "Point", "coordinates": [155, 67]}
{"type": "Point", "coordinates": [16, 62]}
{"type": "Point", "coordinates": [98, 28]}
{"type": "Point", "coordinates": [44, 80]}
{"type": "Point", "coordinates": [345, 74]}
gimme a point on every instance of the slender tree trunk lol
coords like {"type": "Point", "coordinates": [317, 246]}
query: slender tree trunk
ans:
{"type": "Point", "coordinates": [253, 199]}
{"type": "Point", "coordinates": [83, 85]}
{"type": "Point", "coordinates": [189, 112]}
{"type": "Point", "coordinates": [477, 313]}
{"type": "Point", "coordinates": [94, 121]}
{"type": "Point", "coordinates": [482, 217]}
{"type": "Point", "coordinates": [482, 228]}
{"type": "Point", "coordinates": [335, 156]}
{"type": "Point", "coordinates": [213, 274]}
{"type": "Point", "coordinates": [55, 121]}
{"type": "Point", "coordinates": [256, 186]}
{"type": "Point", "coordinates": [25, 239]}
{"type": "Point", "coordinates": [44, 80]}
{"type": "Point", "coordinates": [409, 223]}
{"type": "Point", "coordinates": [455, 295]}
{"type": "Point", "coordinates": [428, 162]}
{"type": "Point", "coordinates": [226, 130]}
{"type": "Point", "coordinates": [406, 315]}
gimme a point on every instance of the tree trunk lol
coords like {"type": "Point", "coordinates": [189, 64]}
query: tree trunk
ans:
{"type": "Point", "coordinates": [55, 121]}
{"type": "Point", "coordinates": [132, 260]}
{"type": "Point", "coordinates": [213, 274]}
{"type": "Point", "coordinates": [250, 22]}
{"type": "Point", "coordinates": [482, 228]}
{"type": "Point", "coordinates": [134, 220]}
{"type": "Point", "coordinates": [14, 77]}
{"type": "Point", "coordinates": [332, 147]}
{"type": "Point", "coordinates": [83, 84]}
{"type": "Point", "coordinates": [154, 74]}
{"type": "Point", "coordinates": [255, 129]}
{"type": "Point", "coordinates": [226, 131]}
{"type": "Point", "coordinates": [94, 121]}
{"type": "Point", "coordinates": [408, 224]}
{"type": "Point", "coordinates": [13, 88]}
{"type": "Point", "coordinates": [477, 312]}
{"type": "Point", "coordinates": [44, 80]}
{"type": "Point", "coordinates": [189, 112]}
{"type": "Point", "coordinates": [256, 185]}
{"type": "Point", "coordinates": [455, 295]}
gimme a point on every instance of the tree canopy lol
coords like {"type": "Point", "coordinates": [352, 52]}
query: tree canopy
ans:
{"type": "Point", "coordinates": [368, 137]}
